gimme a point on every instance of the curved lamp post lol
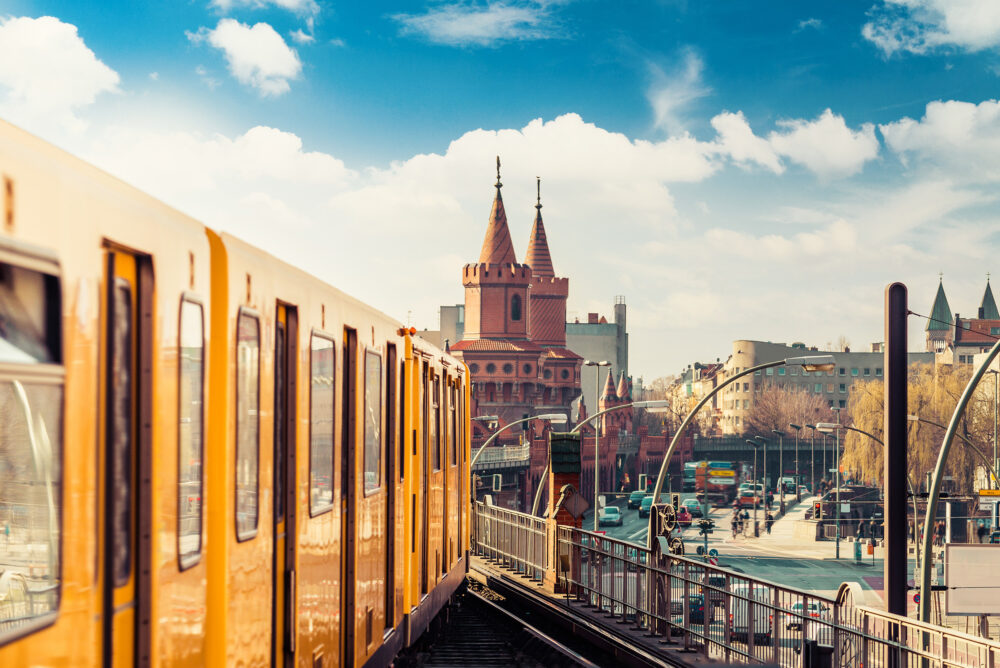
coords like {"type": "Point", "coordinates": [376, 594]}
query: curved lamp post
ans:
{"type": "Point", "coordinates": [798, 493]}
{"type": "Point", "coordinates": [781, 468]}
{"type": "Point", "coordinates": [811, 363]}
{"type": "Point", "coordinates": [935, 491]}
{"type": "Point", "coordinates": [555, 418]}
{"type": "Point", "coordinates": [653, 403]}
{"type": "Point", "coordinates": [761, 441]}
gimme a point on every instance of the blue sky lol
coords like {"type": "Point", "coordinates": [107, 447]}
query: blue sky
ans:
{"type": "Point", "coordinates": [718, 163]}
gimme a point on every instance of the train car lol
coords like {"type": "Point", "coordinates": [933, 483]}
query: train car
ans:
{"type": "Point", "coordinates": [208, 457]}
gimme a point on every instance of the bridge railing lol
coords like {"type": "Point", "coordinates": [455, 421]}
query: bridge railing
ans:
{"type": "Point", "coordinates": [504, 454]}
{"type": "Point", "coordinates": [517, 541]}
{"type": "Point", "coordinates": [736, 618]}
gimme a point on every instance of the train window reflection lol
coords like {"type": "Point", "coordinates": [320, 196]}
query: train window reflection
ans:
{"type": "Point", "coordinates": [321, 416]}
{"type": "Point", "coordinates": [373, 421]}
{"type": "Point", "coordinates": [433, 432]}
{"type": "Point", "coordinates": [120, 433]}
{"type": "Point", "coordinates": [190, 432]}
{"type": "Point", "coordinates": [247, 423]}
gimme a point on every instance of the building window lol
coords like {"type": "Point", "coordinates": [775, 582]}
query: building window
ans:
{"type": "Point", "coordinates": [843, 388]}
{"type": "Point", "coordinates": [746, 387]}
{"type": "Point", "coordinates": [854, 371]}
{"type": "Point", "coordinates": [746, 404]}
{"type": "Point", "coordinates": [830, 372]}
{"type": "Point", "coordinates": [491, 368]}
{"type": "Point", "coordinates": [843, 404]}
{"type": "Point", "coordinates": [794, 370]}
{"type": "Point", "coordinates": [547, 373]}
{"type": "Point", "coordinates": [818, 387]}
{"type": "Point", "coordinates": [868, 372]}
{"type": "Point", "coordinates": [781, 371]}
{"type": "Point", "coordinates": [508, 368]}
{"type": "Point", "coordinates": [527, 368]}
{"type": "Point", "coordinates": [831, 403]}
{"type": "Point", "coordinates": [515, 307]}
{"type": "Point", "coordinates": [770, 371]}
{"type": "Point", "coordinates": [805, 372]}
{"type": "Point", "coordinates": [878, 372]}
{"type": "Point", "coordinates": [842, 371]}
{"type": "Point", "coordinates": [474, 368]}
{"type": "Point", "coordinates": [564, 374]}
{"type": "Point", "coordinates": [829, 388]}
{"type": "Point", "coordinates": [756, 373]}
{"type": "Point", "coordinates": [994, 331]}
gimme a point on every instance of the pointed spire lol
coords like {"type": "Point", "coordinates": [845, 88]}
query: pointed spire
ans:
{"type": "Point", "coordinates": [538, 257]}
{"type": "Point", "coordinates": [624, 390]}
{"type": "Point", "coordinates": [610, 393]}
{"type": "Point", "coordinates": [989, 304]}
{"type": "Point", "coordinates": [497, 246]}
{"type": "Point", "coordinates": [941, 318]}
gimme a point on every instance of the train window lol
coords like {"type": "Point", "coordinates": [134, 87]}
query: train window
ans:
{"type": "Point", "coordinates": [373, 421]}
{"type": "Point", "coordinates": [120, 432]}
{"type": "Point", "coordinates": [247, 423]}
{"type": "Point", "coordinates": [453, 430]}
{"type": "Point", "coordinates": [402, 422]}
{"type": "Point", "coordinates": [321, 415]}
{"type": "Point", "coordinates": [434, 425]}
{"type": "Point", "coordinates": [31, 397]}
{"type": "Point", "coordinates": [190, 449]}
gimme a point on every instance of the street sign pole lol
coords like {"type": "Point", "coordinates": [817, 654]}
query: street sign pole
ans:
{"type": "Point", "coordinates": [894, 508]}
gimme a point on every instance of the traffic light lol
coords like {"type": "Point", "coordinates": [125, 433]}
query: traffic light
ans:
{"type": "Point", "coordinates": [818, 511]}
{"type": "Point", "coordinates": [675, 500]}
{"type": "Point", "coordinates": [706, 526]}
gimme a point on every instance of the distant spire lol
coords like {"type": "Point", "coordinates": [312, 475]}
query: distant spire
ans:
{"type": "Point", "coordinates": [989, 304]}
{"type": "Point", "coordinates": [538, 257]}
{"type": "Point", "coordinates": [497, 246]}
{"type": "Point", "coordinates": [624, 391]}
{"type": "Point", "coordinates": [941, 318]}
{"type": "Point", "coordinates": [610, 393]}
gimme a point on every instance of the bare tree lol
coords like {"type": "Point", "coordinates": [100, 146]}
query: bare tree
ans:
{"type": "Point", "coordinates": [777, 407]}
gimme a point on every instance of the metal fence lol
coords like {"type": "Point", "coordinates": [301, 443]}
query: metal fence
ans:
{"type": "Point", "coordinates": [740, 619]}
{"type": "Point", "coordinates": [517, 541]}
{"type": "Point", "coordinates": [500, 454]}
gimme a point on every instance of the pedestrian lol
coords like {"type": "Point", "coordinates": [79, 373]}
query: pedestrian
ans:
{"type": "Point", "coordinates": [768, 521]}
{"type": "Point", "coordinates": [981, 532]}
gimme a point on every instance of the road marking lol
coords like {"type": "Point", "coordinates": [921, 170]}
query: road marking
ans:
{"type": "Point", "coordinates": [638, 533]}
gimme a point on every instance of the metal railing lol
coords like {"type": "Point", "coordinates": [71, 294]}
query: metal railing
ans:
{"type": "Point", "coordinates": [503, 455]}
{"type": "Point", "coordinates": [517, 541]}
{"type": "Point", "coordinates": [736, 618]}
{"type": "Point", "coordinates": [628, 443]}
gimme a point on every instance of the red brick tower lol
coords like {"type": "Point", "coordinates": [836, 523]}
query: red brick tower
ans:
{"type": "Point", "coordinates": [518, 368]}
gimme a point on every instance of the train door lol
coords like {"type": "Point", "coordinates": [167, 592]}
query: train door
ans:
{"type": "Point", "coordinates": [126, 460]}
{"type": "Point", "coordinates": [391, 534]}
{"type": "Point", "coordinates": [283, 603]}
{"type": "Point", "coordinates": [348, 468]}
{"type": "Point", "coordinates": [425, 399]}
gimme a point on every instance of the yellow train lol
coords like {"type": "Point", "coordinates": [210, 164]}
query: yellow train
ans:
{"type": "Point", "coordinates": [207, 456]}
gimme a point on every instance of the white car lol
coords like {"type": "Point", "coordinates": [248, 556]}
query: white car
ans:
{"type": "Point", "coordinates": [798, 612]}
{"type": "Point", "coordinates": [609, 516]}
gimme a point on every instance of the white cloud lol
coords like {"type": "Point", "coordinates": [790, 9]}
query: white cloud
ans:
{"type": "Point", "coordinates": [826, 146]}
{"type": "Point", "coordinates": [919, 26]}
{"type": "Point", "coordinates": [48, 73]}
{"type": "Point", "coordinates": [154, 76]}
{"type": "Point", "coordinates": [474, 24]}
{"type": "Point", "coordinates": [739, 142]}
{"type": "Point", "coordinates": [301, 37]}
{"type": "Point", "coordinates": [813, 23]}
{"type": "Point", "coordinates": [257, 56]}
{"type": "Point", "coordinates": [338, 42]}
{"type": "Point", "coordinates": [672, 95]}
{"type": "Point", "coordinates": [959, 138]}
{"type": "Point", "coordinates": [296, 6]}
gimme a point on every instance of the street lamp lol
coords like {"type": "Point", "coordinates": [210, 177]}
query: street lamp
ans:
{"type": "Point", "coordinates": [798, 492]}
{"type": "Point", "coordinates": [754, 445]}
{"type": "Point", "coordinates": [809, 363]}
{"type": "Point", "coordinates": [650, 404]}
{"type": "Point", "coordinates": [597, 431]}
{"type": "Point", "coordinates": [826, 428]}
{"type": "Point", "coordinates": [781, 468]}
{"type": "Point", "coordinates": [996, 403]}
{"type": "Point", "coordinates": [812, 458]}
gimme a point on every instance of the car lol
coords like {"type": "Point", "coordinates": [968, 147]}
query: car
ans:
{"type": "Point", "coordinates": [995, 536]}
{"type": "Point", "coordinates": [715, 588]}
{"type": "Point", "coordinates": [747, 494]}
{"type": "Point", "coordinates": [815, 610]}
{"type": "Point", "coordinates": [635, 498]}
{"type": "Point", "coordinates": [645, 505]}
{"type": "Point", "coordinates": [692, 506]}
{"type": "Point", "coordinates": [684, 517]}
{"type": "Point", "coordinates": [788, 482]}
{"type": "Point", "coordinates": [696, 609]}
{"type": "Point", "coordinates": [609, 516]}
{"type": "Point", "coordinates": [804, 491]}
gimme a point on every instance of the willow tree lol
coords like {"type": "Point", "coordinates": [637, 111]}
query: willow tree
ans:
{"type": "Point", "coordinates": [933, 393]}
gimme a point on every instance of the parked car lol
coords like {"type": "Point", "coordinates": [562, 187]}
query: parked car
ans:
{"type": "Point", "coordinates": [645, 505]}
{"type": "Point", "coordinates": [693, 507]}
{"type": "Point", "coordinates": [747, 494]}
{"type": "Point", "coordinates": [715, 587]}
{"type": "Point", "coordinates": [696, 609]}
{"type": "Point", "coordinates": [995, 536]}
{"type": "Point", "coordinates": [609, 516]}
{"type": "Point", "coordinates": [684, 517]}
{"type": "Point", "coordinates": [743, 597]}
{"type": "Point", "coordinates": [798, 612]}
{"type": "Point", "coordinates": [635, 498]}
{"type": "Point", "coordinates": [804, 491]}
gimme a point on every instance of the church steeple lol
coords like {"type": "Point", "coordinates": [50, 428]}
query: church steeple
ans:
{"type": "Point", "coordinates": [624, 394]}
{"type": "Point", "coordinates": [989, 305]}
{"type": "Point", "coordinates": [610, 394]}
{"type": "Point", "coordinates": [941, 317]}
{"type": "Point", "coordinates": [538, 257]}
{"type": "Point", "coordinates": [497, 246]}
